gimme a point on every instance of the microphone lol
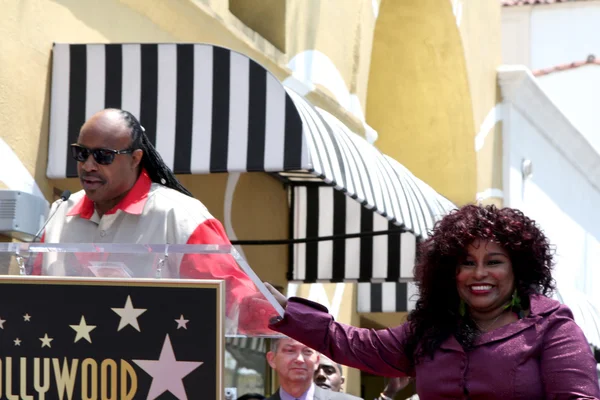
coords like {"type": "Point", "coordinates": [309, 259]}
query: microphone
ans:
{"type": "Point", "coordinates": [63, 197]}
{"type": "Point", "coordinates": [30, 260]}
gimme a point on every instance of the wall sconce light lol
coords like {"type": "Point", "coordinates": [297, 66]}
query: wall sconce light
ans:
{"type": "Point", "coordinates": [526, 169]}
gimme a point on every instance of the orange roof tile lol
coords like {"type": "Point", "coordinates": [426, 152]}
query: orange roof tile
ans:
{"type": "Point", "coordinates": [509, 3]}
{"type": "Point", "coordinates": [590, 60]}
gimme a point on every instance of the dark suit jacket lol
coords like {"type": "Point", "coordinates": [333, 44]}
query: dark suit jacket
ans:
{"type": "Point", "coordinates": [322, 394]}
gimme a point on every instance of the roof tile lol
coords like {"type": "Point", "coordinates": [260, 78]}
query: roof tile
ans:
{"type": "Point", "coordinates": [510, 3]}
{"type": "Point", "coordinates": [590, 60]}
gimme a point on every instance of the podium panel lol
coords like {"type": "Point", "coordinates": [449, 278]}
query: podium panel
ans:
{"type": "Point", "coordinates": [116, 321]}
{"type": "Point", "coordinates": [98, 338]}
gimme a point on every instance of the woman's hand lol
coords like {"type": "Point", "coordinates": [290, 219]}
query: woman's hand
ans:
{"type": "Point", "coordinates": [395, 385]}
{"type": "Point", "coordinates": [281, 299]}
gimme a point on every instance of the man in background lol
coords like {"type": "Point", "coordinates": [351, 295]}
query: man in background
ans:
{"type": "Point", "coordinates": [329, 375]}
{"type": "Point", "coordinates": [295, 365]}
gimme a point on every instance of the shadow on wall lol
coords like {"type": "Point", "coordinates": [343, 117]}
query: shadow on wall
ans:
{"type": "Point", "coordinates": [312, 11]}
{"type": "Point", "coordinates": [39, 174]}
{"type": "Point", "coordinates": [115, 21]}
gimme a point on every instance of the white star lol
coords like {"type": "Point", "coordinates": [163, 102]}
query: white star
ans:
{"type": "Point", "coordinates": [17, 342]}
{"type": "Point", "coordinates": [129, 315]}
{"type": "Point", "coordinates": [27, 318]}
{"type": "Point", "coordinates": [46, 340]}
{"type": "Point", "coordinates": [2, 321]}
{"type": "Point", "coordinates": [182, 323]}
{"type": "Point", "coordinates": [83, 330]}
{"type": "Point", "coordinates": [167, 373]}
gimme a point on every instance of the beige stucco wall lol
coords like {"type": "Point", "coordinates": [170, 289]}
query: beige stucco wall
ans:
{"type": "Point", "coordinates": [342, 33]}
{"type": "Point", "coordinates": [419, 98]}
{"type": "Point", "coordinates": [29, 28]}
{"type": "Point", "coordinates": [423, 82]}
{"type": "Point", "coordinates": [431, 91]}
{"type": "Point", "coordinates": [480, 31]}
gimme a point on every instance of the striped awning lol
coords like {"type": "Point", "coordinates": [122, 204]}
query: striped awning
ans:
{"type": "Point", "coordinates": [252, 344]}
{"type": "Point", "coordinates": [249, 352]}
{"type": "Point", "coordinates": [326, 211]}
{"type": "Point", "coordinates": [321, 211]}
{"type": "Point", "coordinates": [358, 190]}
{"type": "Point", "coordinates": [350, 164]}
{"type": "Point", "coordinates": [386, 297]}
{"type": "Point", "coordinates": [208, 109]}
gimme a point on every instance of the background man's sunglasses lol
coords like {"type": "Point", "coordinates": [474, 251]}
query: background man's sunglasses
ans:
{"type": "Point", "coordinates": [101, 156]}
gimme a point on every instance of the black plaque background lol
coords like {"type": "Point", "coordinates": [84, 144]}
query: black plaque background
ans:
{"type": "Point", "coordinates": [53, 307]}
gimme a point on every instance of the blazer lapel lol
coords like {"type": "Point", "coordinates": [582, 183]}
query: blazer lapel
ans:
{"type": "Point", "coordinates": [276, 396]}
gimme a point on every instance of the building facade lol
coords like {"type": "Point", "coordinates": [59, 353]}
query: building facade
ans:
{"type": "Point", "coordinates": [550, 139]}
{"type": "Point", "coordinates": [416, 79]}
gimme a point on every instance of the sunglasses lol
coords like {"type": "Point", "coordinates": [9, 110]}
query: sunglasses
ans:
{"type": "Point", "coordinates": [101, 156]}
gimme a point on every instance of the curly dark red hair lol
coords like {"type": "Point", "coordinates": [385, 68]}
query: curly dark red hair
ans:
{"type": "Point", "coordinates": [435, 316]}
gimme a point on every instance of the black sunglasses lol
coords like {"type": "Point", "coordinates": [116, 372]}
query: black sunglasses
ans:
{"type": "Point", "coordinates": [101, 156]}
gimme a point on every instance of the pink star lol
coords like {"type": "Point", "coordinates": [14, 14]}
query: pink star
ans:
{"type": "Point", "coordinates": [167, 373]}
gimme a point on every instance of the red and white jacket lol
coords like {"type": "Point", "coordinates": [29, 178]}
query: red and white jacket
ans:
{"type": "Point", "coordinates": [150, 213]}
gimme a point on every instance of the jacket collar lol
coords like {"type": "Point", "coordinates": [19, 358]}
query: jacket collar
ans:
{"type": "Point", "coordinates": [540, 306]}
{"type": "Point", "coordinates": [133, 202]}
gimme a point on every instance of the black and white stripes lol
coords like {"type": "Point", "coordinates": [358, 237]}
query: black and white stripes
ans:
{"type": "Point", "coordinates": [323, 211]}
{"type": "Point", "coordinates": [348, 162]}
{"type": "Point", "coordinates": [386, 297]}
{"type": "Point", "coordinates": [207, 109]}
{"type": "Point", "coordinates": [255, 344]}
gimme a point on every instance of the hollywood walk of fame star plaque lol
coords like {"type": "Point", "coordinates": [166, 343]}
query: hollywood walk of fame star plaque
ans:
{"type": "Point", "coordinates": [97, 338]}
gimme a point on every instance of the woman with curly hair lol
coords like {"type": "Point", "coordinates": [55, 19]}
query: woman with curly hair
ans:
{"type": "Point", "coordinates": [483, 327]}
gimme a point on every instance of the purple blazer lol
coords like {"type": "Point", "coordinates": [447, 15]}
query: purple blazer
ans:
{"type": "Point", "coordinates": [542, 356]}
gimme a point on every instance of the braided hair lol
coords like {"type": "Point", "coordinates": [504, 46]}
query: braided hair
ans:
{"type": "Point", "coordinates": [151, 161]}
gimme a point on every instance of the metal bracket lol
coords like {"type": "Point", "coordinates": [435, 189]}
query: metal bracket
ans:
{"type": "Point", "coordinates": [20, 262]}
{"type": "Point", "coordinates": [162, 262]}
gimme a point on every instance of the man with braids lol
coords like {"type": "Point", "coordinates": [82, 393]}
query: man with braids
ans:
{"type": "Point", "coordinates": [130, 196]}
{"type": "Point", "coordinates": [483, 326]}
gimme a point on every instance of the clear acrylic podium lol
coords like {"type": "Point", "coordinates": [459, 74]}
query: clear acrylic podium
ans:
{"type": "Point", "coordinates": [127, 293]}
